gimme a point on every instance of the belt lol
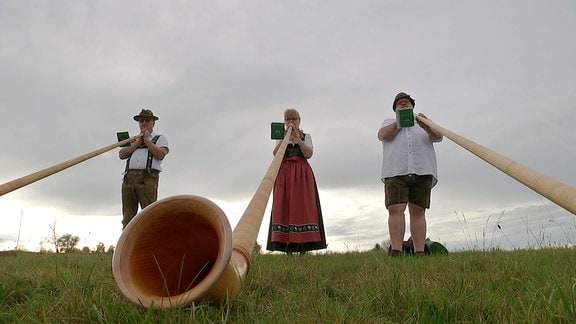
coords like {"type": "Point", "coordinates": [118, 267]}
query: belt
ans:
{"type": "Point", "coordinates": [143, 171]}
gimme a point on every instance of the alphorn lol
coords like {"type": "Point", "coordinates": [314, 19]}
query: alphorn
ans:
{"type": "Point", "coordinates": [181, 248]}
{"type": "Point", "coordinates": [556, 191]}
{"type": "Point", "coordinates": [33, 177]}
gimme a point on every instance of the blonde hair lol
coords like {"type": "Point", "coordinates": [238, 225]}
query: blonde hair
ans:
{"type": "Point", "coordinates": [291, 112]}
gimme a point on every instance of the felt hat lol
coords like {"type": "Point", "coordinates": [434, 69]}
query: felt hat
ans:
{"type": "Point", "coordinates": [402, 95]}
{"type": "Point", "coordinates": [145, 113]}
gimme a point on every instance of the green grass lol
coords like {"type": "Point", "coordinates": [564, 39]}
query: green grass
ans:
{"type": "Point", "coordinates": [527, 286]}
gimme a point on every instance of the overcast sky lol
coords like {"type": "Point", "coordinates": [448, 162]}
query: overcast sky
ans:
{"type": "Point", "coordinates": [502, 74]}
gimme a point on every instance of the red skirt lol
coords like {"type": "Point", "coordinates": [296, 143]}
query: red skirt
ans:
{"type": "Point", "coordinates": [296, 223]}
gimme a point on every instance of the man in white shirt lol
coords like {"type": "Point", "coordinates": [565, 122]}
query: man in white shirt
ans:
{"type": "Point", "coordinates": [144, 158]}
{"type": "Point", "coordinates": [409, 172]}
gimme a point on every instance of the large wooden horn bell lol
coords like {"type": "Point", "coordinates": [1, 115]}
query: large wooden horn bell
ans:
{"type": "Point", "coordinates": [180, 249]}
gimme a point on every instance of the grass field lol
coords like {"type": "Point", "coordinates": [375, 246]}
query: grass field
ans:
{"type": "Point", "coordinates": [523, 286]}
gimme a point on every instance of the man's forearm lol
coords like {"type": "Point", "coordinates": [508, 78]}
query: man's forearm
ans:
{"type": "Point", "coordinates": [387, 133]}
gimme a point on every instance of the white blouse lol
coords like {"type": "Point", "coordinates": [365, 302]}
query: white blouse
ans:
{"type": "Point", "coordinates": [307, 141]}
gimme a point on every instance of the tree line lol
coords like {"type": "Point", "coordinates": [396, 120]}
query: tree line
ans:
{"type": "Point", "coordinates": [69, 243]}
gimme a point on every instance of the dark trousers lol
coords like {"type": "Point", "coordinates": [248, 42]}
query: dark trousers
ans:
{"type": "Point", "coordinates": [140, 187]}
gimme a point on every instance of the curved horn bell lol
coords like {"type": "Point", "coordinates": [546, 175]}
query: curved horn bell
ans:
{"type": "Point", "coordinates": [173, 251]}
{"type": "Point", "coordinates": [182, 248]}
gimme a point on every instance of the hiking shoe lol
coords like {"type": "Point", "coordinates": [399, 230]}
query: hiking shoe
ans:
{"type": "Point", "coordinates": [394, 253]}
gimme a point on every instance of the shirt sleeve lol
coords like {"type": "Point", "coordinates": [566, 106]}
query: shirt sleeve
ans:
{"type": "Point", "coordinates": [388, 121]}
{"type": "Point", "coordinates": [162, 142]}
{"type": "Point", "coordinates": [308, 141]}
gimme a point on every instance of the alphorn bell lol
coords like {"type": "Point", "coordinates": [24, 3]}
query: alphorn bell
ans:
{"type": "Point", "coordinates": [180, 249]}
{"type": "Point", "coordinates": [558, 192]}
{"type": "Point", "coordinates": [33, 177]}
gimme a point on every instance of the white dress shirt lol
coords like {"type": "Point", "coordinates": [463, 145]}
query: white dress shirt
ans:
{"type": "Point", "coordinates": [410, 151]}
{"type": "Point", "coordinates": [139, 157]}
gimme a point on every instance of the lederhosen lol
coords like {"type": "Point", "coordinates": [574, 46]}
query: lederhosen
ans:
{"type": "Point", "coordinates": [139, 187]}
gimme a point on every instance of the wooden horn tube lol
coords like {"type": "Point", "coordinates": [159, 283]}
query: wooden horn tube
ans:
{"type": "Point", "coordinates": [556, 191]}
{"type": "Point", "coordinates": [33, 177]}
{"type": "Point", "coordinates": [180, 249]}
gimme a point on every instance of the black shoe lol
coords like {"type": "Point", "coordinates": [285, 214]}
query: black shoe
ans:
{"type": "Point", "coordinates": [394, 253]}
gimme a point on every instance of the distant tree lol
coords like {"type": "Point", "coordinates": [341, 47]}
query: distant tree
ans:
{"type": "Point", "coordinates": [100, 248]}
{"type": "Point", "coordinates": [110, 249]}
{"type": "Point", "coordinates": [53, 238]}
{"type": "Point", "coordinates": [68, 242]}
{"type": "Point", "coordinates": [86, 249]}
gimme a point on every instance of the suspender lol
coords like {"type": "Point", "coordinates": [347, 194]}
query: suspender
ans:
{"type": "Point", "coordinates": [150, 157]}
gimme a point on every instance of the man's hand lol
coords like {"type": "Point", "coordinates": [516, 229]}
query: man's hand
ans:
{"type": "Point", "coordinates": [144, 136]}
{"type": "Point", "coordinates": [434, 135]}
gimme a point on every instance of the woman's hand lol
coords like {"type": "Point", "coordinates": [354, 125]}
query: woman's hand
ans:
{"type": "Point", "coordinates": [294, 130]}
{"type": "Point", "coordinates": [295, 136]}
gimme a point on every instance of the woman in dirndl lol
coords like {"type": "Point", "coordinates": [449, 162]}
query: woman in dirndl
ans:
{"type": "Point", "coordinates": [296, 223]}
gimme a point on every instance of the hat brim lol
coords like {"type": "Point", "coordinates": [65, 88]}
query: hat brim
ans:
{"type": "Point", "coordinates": [137, 117]}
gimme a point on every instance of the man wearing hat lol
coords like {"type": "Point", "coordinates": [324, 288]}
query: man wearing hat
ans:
{"type": "Point", "coordinates": [143, 164]}
{"type": "Point", "coordinates": [409, 172]}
